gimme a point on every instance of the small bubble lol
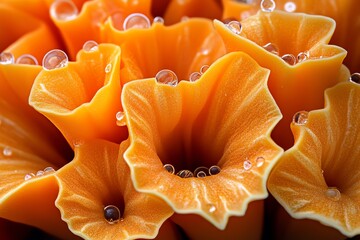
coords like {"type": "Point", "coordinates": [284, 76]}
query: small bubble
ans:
{"type": "Point", "coordinates": [112, 214]}
{"type": "Point", "coordinates": [227, 20]}
{"type": "Point", "coordinates": [300, 118]}
{"type": "Point", "coordinates": [260, 161]}
{"type": "Point", "coordinates": [158, 20]}
{"type": "Point", "coordinates": [7, 152]}
{"type": "Point", "coordinates": [270, 47]}
{"type": "Point", "coordinates": [185, 174]}
{"type": "Point", "coordinates": [247, 165]}
{"type": "Point", "coordinates": [78, 143]}
{"type": "Point", "coordinates": [302, 56]}
{"type": "Point", "coordinates": [48, 170]}
{"type": "Point", "coordinates": [355, 78]}
{"type": "Point", "coordinates": [194, 76]}
{"type": "Point", "coordinates": [204, 68]}
{"type": "Point", "coordinates": [289, 59]}
{"type": "Point", "coordinates": [267, 5]}
{"type": "Point", "coordinates": [39, 173]}
{"type": "Point", "coordinates": [63, 10]}
{"type": "Point", "coordinates": [136, 20]}
{"type": "Point", "coordinates": [201, 174]}
{"type": "Point", "coordinates": [333, 193]}
{"type": "Point", "coordinates": [29, 176]}
{"type": "Point", "coordinates": [54, 59]}
{"type": "Point", "coordinates": [211, 208]}
{"type": "Point", "coordinates": [27, 59]}
{"type": "Point", "coordinates": [235, 27]}
{"type": "Point", "coordinates": [290, 6]}
{"type": "Point", "coordinates": [201, 169]}
{"type": "Point", "coordinates": [108, 68]}
{"type": "Point", "coordinates": [167, 76]}
{"type": "Point", "coordinates": [213, 170]}
{"type": "Point", "coordinates": [90, 46]}
{"type": "Point", "coordinates": [170, 168]}
{"type": "Point", "coordinates": [6, 58]}
{"type": "Point", "coordinates": [120, 119]}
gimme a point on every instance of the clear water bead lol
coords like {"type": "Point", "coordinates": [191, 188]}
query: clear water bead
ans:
{"type": "Point", "coordinates": [302, 56]}
{"type": "Point", "coordinates": [300, 118]}
{"type": "Point", "coordinates": [90, 46]}
{"type": "Point", "coordinates": [55, 59]}
{"type": "Point", "coordinates": [48, 170]}
{"type": "Point", "coordinates": [120, 118]}
{"type": "Point", "coordinates": [270, 47]}
{"type": "Point", "coordinates": [267, 5]}
{"type": "Point", "coordinates": [112, 214]}
{"type": "Point", "coordinates": [167, 76]}
{"type": "Point", "coordinates": [27, 59]}
{"type": "Point", "coordinates": [170, 168]}
{"type": "Point", "coordinates": [158, 20]}
{"type": "Point", "coordinates": [108, 68]}
{"type": "Point", "coordinates": [29, 176]}
{"type": "Point", "coordinates": [185, 174]}
{"type": "Point", "coordinates": [289, 59]}
{"type": "Point", "coordinates": [204, 68]}
{"type": "Point", "coordinates": [136, 20]}
{"type": "Point", "coordinates": [247, 165]}
{"type": "Point", "coordinates": [235, 27]}
{"type": "Point", "coordinates": [7, 152]}
{"type": "Point", "coordinates": [63, 10]}
{"type": "Point", "coordinates": [201, 174]}
{"type": "Point", "coordinates": [355, 78]}
{"type": "Point", "coordinates": [333, 193]}
{"type": "Point", "coordinates": [194, 76]}
{"type": "Point", "coordinates": [290, 6]}
{"type": "Point", "coordinates": [260, 161]}
{"type": "Point", "coordinates": [6, 58]}
{"type": "Point", "coordinates": [201, 169]}
{"type": "Point", "coordinates": [213, 170]}
{"type": "Point", "coordinates": [39, 173]}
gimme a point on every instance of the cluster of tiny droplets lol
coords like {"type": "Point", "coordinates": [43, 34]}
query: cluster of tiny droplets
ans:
{"type": "Point", "coordinates": [39, 173]}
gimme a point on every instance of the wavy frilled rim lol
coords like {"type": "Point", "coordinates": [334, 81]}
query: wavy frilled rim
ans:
{"type": "Point", "coordinates": [96, 179]}
{"type": "Point", "coordinates": [318, 177]}
{"type": "Point", "coordinates": [224, 119]}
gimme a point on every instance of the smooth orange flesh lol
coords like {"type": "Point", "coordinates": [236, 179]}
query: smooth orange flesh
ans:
{"type": "Point", "coordinates": [224, 118]}
{"type": "Point", "coordinates": [298, 87]}
{"type": "Point", "coordinates": [325, 155]}
{"type": "Point", "coordinates": [81, 99]}
{"type": "Point", "coordinates": [183, 48]}
{"type": "Point", "coordinates": [98, 177]}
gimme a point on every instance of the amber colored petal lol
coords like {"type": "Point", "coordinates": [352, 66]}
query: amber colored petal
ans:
{"type": "Point", "coordinates": [224, 118]}
{"type": "Point", "coordinates": [297, 87]}
{"type": "Point", "coordinates": [97, 177]}
{"type": "Point", "coordinates": [325, 155]}
{"type": "Point", "coordinates": [184, 48]}
{"type": "Point", "coordinates": [25, 34]}
{"type": "Point", "coordinates": [87, 25]}
{"type": "Point", "coordinates": [81, 99]}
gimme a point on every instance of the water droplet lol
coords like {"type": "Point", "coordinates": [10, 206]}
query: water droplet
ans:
{"type": "Point", "coordinates": [48, 170]}
{"type": "Point", "coordinates": [333, 193]}
{"type": "Point", "coordinates": [204, 68]}
{"type": "Point", "coordinates": [7, 152]}
{"type": "Point", "coordinates": [194, 76]}
{"type": "Point", "coordinates": [260, 161]}
{"type": "Point", "coordinates": [167, 76]}
{"type": "Point", "coordinates": [355, 78]}
{"type": "Point", "coordinates": [6, 58]}
{"type": "Point", "coordinates": [108, 68]}
{"type": "Point", "coordinates": [39, 173]}
{"type": "Point", "coordinates": [112, 214]}
{"type": "Point", "coordinates": [185, 174]}
{"type": "Point", "coordinates": [158, 20]}
{"type": "Point", "coordinates": [300, 118]}
{"type": "Point", "coordinates": [170, 168]}
{"type": "Point", "coordinates": [289, 59]}
{"type": "Point", "coordinates": [29, 176]}
{"type": "Point", "coordinates": [78, 142]}
{"type": "Point", "coordinates": [120, 118]}
{"type": "Point", "coordinates": [270, 47]}
{"type": "Point", "coordinates": [63, 10]}
{"type": "Point", "coordinates": [136, 20]}
{"type": "Point", "coordinates": [201, 174]}
{"type": "Point", "coordinates": [235, 27]}
{"type": "Point", "coordinates": [27, 59]}
{"type": "Point", "coordinates": [211, 208]}
{"type": "Point", "coordinates": [290, 6]}
{"type": "Point", "coordinates": [90, 46]}
{"type": "Point", "coordinates": [247, 165]}
{"type": "Point", "coordinates": [213, 170]}
{"type": "Point", "coordinates": [267, 5]}
{"type": "Point", "coordinates": [55, 59]}
{"type": "Point", "coordinates": [302, 56]}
